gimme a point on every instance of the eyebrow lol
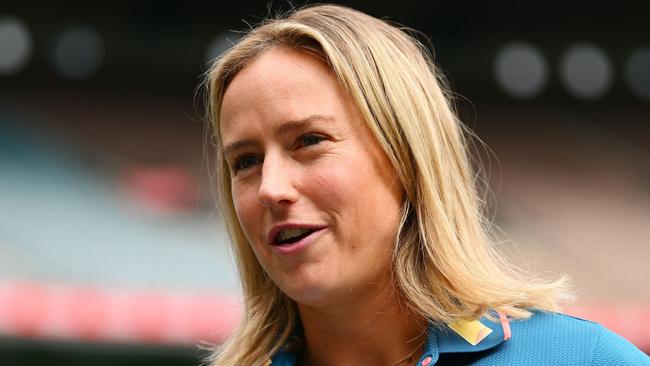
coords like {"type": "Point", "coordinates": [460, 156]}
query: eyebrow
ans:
{"type": "Point", "coordinates": [284, 128]}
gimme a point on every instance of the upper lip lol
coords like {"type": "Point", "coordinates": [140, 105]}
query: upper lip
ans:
{"type": "Point", "coordinates": [275, 230]}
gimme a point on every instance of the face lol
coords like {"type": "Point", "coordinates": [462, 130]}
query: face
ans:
{"type": "Point", "coordinates": [314, 193]}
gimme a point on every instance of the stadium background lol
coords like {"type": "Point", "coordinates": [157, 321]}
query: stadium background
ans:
{"type": "Point", "coordinates": [111, 247]}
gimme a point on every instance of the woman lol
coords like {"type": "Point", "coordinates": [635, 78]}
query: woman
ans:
{"type": "Point", "coordinates": [355, 218]}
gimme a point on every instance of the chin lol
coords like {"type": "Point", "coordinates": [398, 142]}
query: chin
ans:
{"type": "Point", "coordinates": [315, 294]}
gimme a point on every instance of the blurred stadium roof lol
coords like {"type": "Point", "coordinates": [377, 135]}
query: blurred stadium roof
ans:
{"type": "Point", "coordinates": [163, 46]}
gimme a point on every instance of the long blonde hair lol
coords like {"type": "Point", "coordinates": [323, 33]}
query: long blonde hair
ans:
{"type": "Point", "coordinates": [444, 263]}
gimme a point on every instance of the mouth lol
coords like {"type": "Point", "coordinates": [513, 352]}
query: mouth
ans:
{"type": "Point", "coordinates": [290, 237]}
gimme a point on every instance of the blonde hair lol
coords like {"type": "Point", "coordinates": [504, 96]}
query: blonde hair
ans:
{"type": "Point", "coordinates": [444, 263]}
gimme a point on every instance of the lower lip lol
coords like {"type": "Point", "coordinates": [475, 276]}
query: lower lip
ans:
{"type": "Point", "coordinates": [293, 248]}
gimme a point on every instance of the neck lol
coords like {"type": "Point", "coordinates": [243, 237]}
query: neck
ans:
{"type": "Point", "coordinates": [370, 329]}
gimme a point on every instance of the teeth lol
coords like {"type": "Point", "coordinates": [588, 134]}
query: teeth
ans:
{"type": "Point", "coordinates": [291, 233]}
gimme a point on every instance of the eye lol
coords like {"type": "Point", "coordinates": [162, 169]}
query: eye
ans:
{"type": "Point", "coordinates": [245, 162]}
{"type": "Point", "coordinates": [310, 139]}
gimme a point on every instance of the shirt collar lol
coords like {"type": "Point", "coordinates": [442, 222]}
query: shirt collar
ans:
{"type": "Point", "coordinates": [456, 337]}
{"type": "Point", "coordinates": [461, 337]}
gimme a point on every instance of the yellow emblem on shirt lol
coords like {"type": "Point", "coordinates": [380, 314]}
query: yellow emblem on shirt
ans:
{"type": "Point", "coordinates": [472, 331]}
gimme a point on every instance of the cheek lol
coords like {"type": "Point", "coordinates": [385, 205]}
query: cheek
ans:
{"type": "Point", "coordinates": [367, 203]}
{"type": "Point", "coordinates": [346, 192]}
{"type": "Point", "coordinates": [333, 186]}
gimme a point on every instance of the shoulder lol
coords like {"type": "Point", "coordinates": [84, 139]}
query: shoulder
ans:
{"type": "Point", "coordinates": [551, 327]}
{"type": "Point", "coordinates": [553, 338]}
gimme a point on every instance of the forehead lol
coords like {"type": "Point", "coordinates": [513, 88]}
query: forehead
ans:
{"type": "Point", "coordinates": [280, 84]}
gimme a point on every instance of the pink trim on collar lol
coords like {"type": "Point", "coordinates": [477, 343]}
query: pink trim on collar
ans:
{"type": "Point", "coordinates": [505, 324]}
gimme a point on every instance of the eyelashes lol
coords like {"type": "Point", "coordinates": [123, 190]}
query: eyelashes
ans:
{"type": "Point", "coordinates": [311, 139]}
{"type": "Point", "coordinates": [247, 161]}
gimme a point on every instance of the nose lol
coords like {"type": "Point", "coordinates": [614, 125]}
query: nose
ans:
{"type": "Point", "coordinates": [277, 182]}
